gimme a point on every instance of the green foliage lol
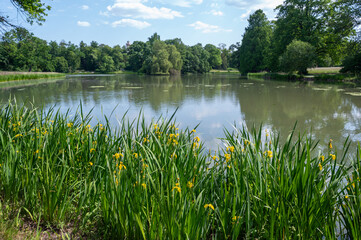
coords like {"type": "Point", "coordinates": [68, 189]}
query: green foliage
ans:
{"type": "Point", "coordinates": [196, 60]}
{"type": "Point", "coordinates": [164, 59]}
{"type": "Point", "coordinates": [159, 63]}
{"type": "Point", "coordinates": [174, 58]}
{"type": "Point", "coordinates": [215, 59]}
{"type": "Point", "coordinates": [106, 64]}
{"type": "Point", "coordinates": [326, 25]}
{"type": "Point", "coordinates": [225, 56]}
{"type": "Point", "coordinates": [33, 10]}
{"type": "Point", "coordinates": [298, 57]}
{"type": "Point", "coordinates": [20, 50]}
{"type": "Point", "coordinates": [152, 180]}
{"type": "Point", "coordinates": [234, 58]}
{"type": "Point", "coordinates": [352, 64]}
{"type": "Point", "coordinates": [136, 55]}
{"type": "Point", "coordinates": [61, 65]}
{"type": "Point", "coordinates": [255, 44]}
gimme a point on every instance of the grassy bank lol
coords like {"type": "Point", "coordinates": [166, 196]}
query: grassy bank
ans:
{"type": "Point", "coordinates": [317, 75]}
{"type": "Point", "coordinates": [228, 71]}
{"type": "Point", "coordinates": [13, 76]}
{"type": "Point", "coordinates": [59, 176]}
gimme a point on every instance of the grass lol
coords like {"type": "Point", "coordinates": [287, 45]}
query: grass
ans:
{"type": "Point", "coordinates": [324, 70]}
{"type": "Point", "coordinates": [228, 71]}
{"type": "Point", "coordinates": [21, 76]}
{"type": "Point", "coordinates": [320, 75]}
{"type": "Point", "coordinates": [154, 181]}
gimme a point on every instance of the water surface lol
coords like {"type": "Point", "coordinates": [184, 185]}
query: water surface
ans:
{"type": "Point", "coordinates": [214, 101]}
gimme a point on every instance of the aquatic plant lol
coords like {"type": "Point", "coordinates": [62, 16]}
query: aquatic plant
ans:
{"type": "Point", "coordinates": [154, 180]}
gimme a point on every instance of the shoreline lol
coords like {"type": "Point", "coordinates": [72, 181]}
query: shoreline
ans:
{"type": "Point", "coordinates": [16, 76]}
{"type": "Point", "coordinates": [323, 78]}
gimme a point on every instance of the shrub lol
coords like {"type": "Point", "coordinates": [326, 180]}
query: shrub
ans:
{"type": "Point", "coordinates": [352, 64]}
{"type": "Point", "coordinates": [298, 57]}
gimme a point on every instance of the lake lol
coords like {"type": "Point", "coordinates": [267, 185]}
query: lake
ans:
{"type": "Point", "coordinates": [214, 101]}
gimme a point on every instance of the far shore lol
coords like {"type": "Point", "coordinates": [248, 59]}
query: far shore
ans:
{"type": "Point", "coordinates": [7, 76]}
{"type": "Point", "coordinates": [25, 73]}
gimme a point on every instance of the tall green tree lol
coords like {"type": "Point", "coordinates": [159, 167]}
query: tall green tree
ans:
{"type": "Point", "coordinates": [160, 63]}
{"type": "Point", "coordinates": [234, 57]}
{"type": "Point", "coordinates": [225, 55]}
{"type": "Point", "coordinates": [215, 59]}
{"type": "Point", "coordinates": [118, 57]}
{"type": "Point", "coordinates": [137, 53]}
{"type": "Point", "coordinates": [175, 59]}
{"type": "Point", "coordinates": [325, 24]}
{"type": "Point", "coordinates": [254, 50]}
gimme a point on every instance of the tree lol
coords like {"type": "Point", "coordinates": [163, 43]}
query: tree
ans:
{"type": "Point", "coordinates": [118, 57]}
{"type": "Point", "coordinates": [106, 64]}
{"type": "Point", "coordinates": [175, 59]}
{"type": "Point", "coordinates": [196, 60]}
{"type": "Point", "coordinates": [325, 24]}
{"type": "Point", "coordinates": [298, 57]}
{"type": "Point", "coordinates": [225, 55]}
{"type": "Point", "coordinates": [352, 64]}
{"type": "Point", "coordinates": [137, 53]}
{"type": "Point", "coordinates": [61, 65]}
{"type": "Point", "coordinates": [158, 62]}
{"type": "Point", "coordinates": [255, 44]}
{"type": "Point", "coordinates": [153, 38]}
{"type": "Point", "coordinates": [215, 59]}
{"type": "Point", "coordinates": [32, 10]}
{"type": "Point", "coordinates": [234, 58]}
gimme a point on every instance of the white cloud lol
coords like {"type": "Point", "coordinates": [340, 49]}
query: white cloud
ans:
{"type": "Point", "coordinates": [136, 9]}
{"type": "Point", "coordinates": [207, 28]}
{"type": "Point", "coordinates": [216, 13]}
{"type": "Point", "coordinates": [85, 7]}
{"type": "Point", "coordinates": [83, 24]}
{"type": "Point", "coordinates": [184, 3]}
{"type": "Point", "coordinates": [130, 23]}
{"type": "Point", "coordinates": [255, 4]}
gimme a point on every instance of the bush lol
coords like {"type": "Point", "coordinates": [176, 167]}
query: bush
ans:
{"type": "Point", "coordinates": [298, 57]}
{"type": "Point", "coordinates": [352, 64]}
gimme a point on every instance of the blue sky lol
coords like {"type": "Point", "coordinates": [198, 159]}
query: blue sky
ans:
{"type": "Point", "coordinates": [115, 22]}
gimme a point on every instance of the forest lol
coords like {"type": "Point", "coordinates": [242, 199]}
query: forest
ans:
{"type": "Point", "coordinates": [20, 50]}
{"type": "Point", "coordinates": [304, 34]}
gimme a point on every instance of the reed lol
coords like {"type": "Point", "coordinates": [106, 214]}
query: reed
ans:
{"type": "Point", "coordinates": [14, 77]}
{"type": "Point", "coordinates": [155, 181]}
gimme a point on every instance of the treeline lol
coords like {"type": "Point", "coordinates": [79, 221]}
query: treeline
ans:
{"type": "Point", "coordinates": [304, 34]}
{"type": "Point", "coordinates": [20, 50]}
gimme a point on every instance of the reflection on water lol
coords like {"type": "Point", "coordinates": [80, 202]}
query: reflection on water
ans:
{"type": "Point", "coordinates": [214, 101]}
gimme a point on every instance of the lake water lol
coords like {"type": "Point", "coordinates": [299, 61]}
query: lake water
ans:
{"type": "Point", "coordinates": [214, 101]}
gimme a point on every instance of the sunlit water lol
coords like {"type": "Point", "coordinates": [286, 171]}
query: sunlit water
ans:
{"type": "Point", "coordinates": [215, 102]}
